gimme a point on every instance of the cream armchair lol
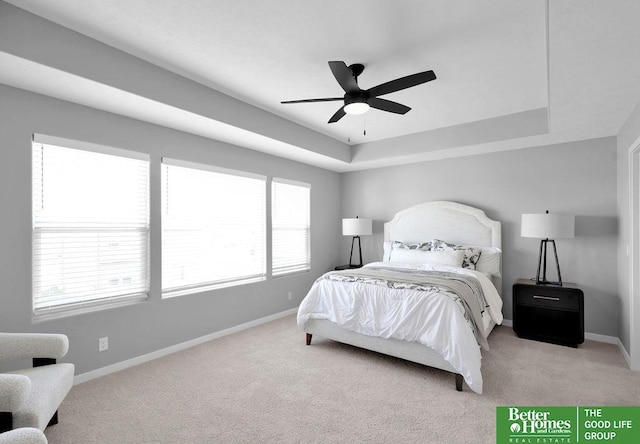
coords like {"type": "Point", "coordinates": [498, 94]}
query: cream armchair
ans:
{"type": "Point", "coordinates": [25, 435]}
{"type": "Point", "coordinates": [30, 397]}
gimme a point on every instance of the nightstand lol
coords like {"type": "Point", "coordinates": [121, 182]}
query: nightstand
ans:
{"type": "Point", "coordinates": [347, 267]}
{"type": "Point", "coordinates": [548, 313]}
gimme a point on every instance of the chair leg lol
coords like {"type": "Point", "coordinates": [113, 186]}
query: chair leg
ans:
{"type": "Point", "coordinates": [6, 421]}
{"type": "Point", "coordinates": [309, 338]}
{"type": "Point", "coordinates": [54, 419]}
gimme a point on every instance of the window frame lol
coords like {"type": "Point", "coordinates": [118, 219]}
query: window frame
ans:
{"type": "Point", "coordinates": [299, 268]}
{"type": "Point", "coordinates": [89, 304]}
{"type": "Point", "coordinates": [170, 292]}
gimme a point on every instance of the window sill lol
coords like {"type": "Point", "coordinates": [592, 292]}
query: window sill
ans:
{"type": "Point", "coordinates": [291, 273]}
{"type": "Point", "coordinates": [59, 313]}
{"type": "Point", "coordinates": [168, 294]}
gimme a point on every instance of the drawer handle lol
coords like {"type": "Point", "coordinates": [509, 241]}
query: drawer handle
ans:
{"type": "Point", "coordinates": [548, 298]}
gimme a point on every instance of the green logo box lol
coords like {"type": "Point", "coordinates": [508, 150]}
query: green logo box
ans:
{"type": "Point", "coordinates": [547, 425]}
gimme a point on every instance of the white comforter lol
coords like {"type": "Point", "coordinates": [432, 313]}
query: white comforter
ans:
{"type": "Point", "coordinates": [428, 317]}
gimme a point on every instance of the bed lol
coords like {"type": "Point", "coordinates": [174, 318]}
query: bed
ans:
{"type": "Point", "coordinates": [422, 319]}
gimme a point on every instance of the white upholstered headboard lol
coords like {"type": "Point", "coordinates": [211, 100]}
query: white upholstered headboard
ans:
{"type": "Point", "coordinates": [447, 221]}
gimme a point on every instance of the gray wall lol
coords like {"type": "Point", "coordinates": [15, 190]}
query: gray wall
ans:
{"type": "Point", "coordinates": [155, 324]}
{"type": "Point", "coordinates": [576, 178]}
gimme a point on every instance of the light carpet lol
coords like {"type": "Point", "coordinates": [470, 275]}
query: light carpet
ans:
{"type": "Point", "coordinates": [264, 385]}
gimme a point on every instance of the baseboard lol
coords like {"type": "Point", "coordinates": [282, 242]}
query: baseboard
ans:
{"type": "Point", "coordinates": [602, 338]}
{"type": "Point", "coordinates": [593, 337]}
{"type": "Point", "coordinates": [624, 353]}
{"type": "Point", "coordinates": [103, 371]}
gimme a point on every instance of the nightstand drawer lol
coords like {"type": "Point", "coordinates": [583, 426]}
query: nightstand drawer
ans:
{"type": "Point", "coordinates": [549, 298]}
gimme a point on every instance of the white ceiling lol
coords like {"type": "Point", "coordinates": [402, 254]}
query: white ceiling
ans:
{"type": "Point", "coordinates": [493, 58]}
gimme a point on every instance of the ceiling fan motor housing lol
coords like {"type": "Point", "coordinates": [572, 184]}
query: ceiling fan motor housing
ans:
{"type": "Point", "coordinates": [360, 97]}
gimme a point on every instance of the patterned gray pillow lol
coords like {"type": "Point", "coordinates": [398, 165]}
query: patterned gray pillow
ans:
{"type": "Point", "coordinates": [425, 246]}
{"type": "Point", "coordinates": [471, 254]}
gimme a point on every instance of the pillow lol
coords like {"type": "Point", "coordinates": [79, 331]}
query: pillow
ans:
{"type": "Point", "coordinates": [415, 256]}
{"type": "Point", "coordinates": [424, 246]}
{"type": "Point", "coordinates": [388, 246]}
{"type": "Point", "coordinates": [490, 260]}
{"type": "Point", "coordinates": [471, 254]}
{"type": "Point", "coordinates": [396, 245]}
{"type": "Point", "coordinates": [386, 251]}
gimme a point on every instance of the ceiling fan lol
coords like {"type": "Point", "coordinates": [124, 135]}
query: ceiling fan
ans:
{"type": "Point", "coordinates": [358, 101]}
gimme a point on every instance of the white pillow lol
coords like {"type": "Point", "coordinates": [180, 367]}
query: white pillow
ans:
{"type": "Point", "coordinates": [450, 258]}
{"type": "Point", "coordinates": [386, 251]}
{"type": "Point", "coordinates": [490, 260]}
{"type": "Point", "coordinates": [389, 246]}
{"type": "Point", "coordinates": [471, 254]}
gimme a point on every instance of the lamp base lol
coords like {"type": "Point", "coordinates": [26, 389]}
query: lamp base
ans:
{"type": "Point", "coordinates": [542, 282]}
{"type": "Point", "coordinates": [346, 267]}
{"type": "Point", "coordinates": [542, 263]}
{"type": "Point", "coordinates": [351, 264]}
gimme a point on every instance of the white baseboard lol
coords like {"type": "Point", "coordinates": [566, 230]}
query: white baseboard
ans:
{"type": "Point", "coordinates": [602, 338]}
{"type": "Point", "coordinates": [624, 353]}
{"type": "Point", "coordinates": [593, 337]}
{"type": "Point", "coordinates": [103, 371]}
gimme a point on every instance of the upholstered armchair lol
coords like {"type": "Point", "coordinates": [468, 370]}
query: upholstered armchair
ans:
{"type": "Point", "coordinates": [25, 435]}
{"type": "Point", "coordinates": [31, 397]}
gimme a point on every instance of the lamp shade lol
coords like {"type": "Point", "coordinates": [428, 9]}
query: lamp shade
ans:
{"type": "Point", "coordinates": [356, 227]}
{"type": "Point", "coordinates": [548, 226]}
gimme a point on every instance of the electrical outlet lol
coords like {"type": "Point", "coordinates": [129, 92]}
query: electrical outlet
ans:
{"type": "Point", "coordinates": [289, 296]}
{"type": "Point", "coordinates": [103, 344]}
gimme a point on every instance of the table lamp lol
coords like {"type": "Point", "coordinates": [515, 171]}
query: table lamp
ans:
{"type": "Point", "coordinates": [356, 227]}
{"type": "Point", "coordinates": [547, 227]}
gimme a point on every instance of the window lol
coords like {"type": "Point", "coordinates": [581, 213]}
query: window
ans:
{"type": "Point", "coordinates": [213, 227]}
{"type": "Point", "coordinates": [290, 216]}
{"type": "Point", "coordinates": [90, 226]}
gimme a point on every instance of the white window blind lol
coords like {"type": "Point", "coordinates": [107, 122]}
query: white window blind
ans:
{"type": "Point", "coordinates": [213, 227]}
{"type": "Point", "coordinates": [291, 227]}
{"type": "Point", "coordinates": [90, 227]}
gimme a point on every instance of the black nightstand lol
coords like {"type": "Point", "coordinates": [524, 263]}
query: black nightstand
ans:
{"type": "Point", "coordinates": [548, 313]}
{"type": "Point", "coordinates": [347, 267]}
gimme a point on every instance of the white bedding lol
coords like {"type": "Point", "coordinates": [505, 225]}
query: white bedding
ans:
{"type": "Point", "coordinates": [428, 317]}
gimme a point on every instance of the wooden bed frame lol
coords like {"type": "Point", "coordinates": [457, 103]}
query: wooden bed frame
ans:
{"type": "Point", "coordinates": [448, 221]}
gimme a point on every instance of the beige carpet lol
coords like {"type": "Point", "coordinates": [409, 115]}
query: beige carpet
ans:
{"type": "Point", "coordinates": [264, 385]}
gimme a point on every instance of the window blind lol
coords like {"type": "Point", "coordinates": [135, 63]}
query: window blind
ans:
{"type": "Point", "coordinates": [90, 227]}
{"type": "Point", "coordinates": [291, 226]}
{"type": "Point", "coordinates": [213, 227]}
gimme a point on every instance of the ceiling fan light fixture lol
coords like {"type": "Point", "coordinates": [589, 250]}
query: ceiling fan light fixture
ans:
{"type": "Point", "coordinates": [355, 108]}
{"type": "Point", "coordinates": [358, 100]}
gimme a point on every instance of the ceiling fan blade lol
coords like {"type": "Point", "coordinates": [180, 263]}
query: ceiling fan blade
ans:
{"type": "Point", "coordinates": [388, 105]}
{"type": "Point", "coordinates": [327, 99]}
{"type": "Point", "coordinates": [344, 77]}
{"type": "Point", "coordinates": [338, 115]}
{"type": "Point", "coordinates": [401, 83]}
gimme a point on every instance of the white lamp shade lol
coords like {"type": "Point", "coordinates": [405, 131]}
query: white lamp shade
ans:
{"type": "Point", "coordinates": [548, 226]}
{"type": "Point", "coordinates": [356, 227]}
